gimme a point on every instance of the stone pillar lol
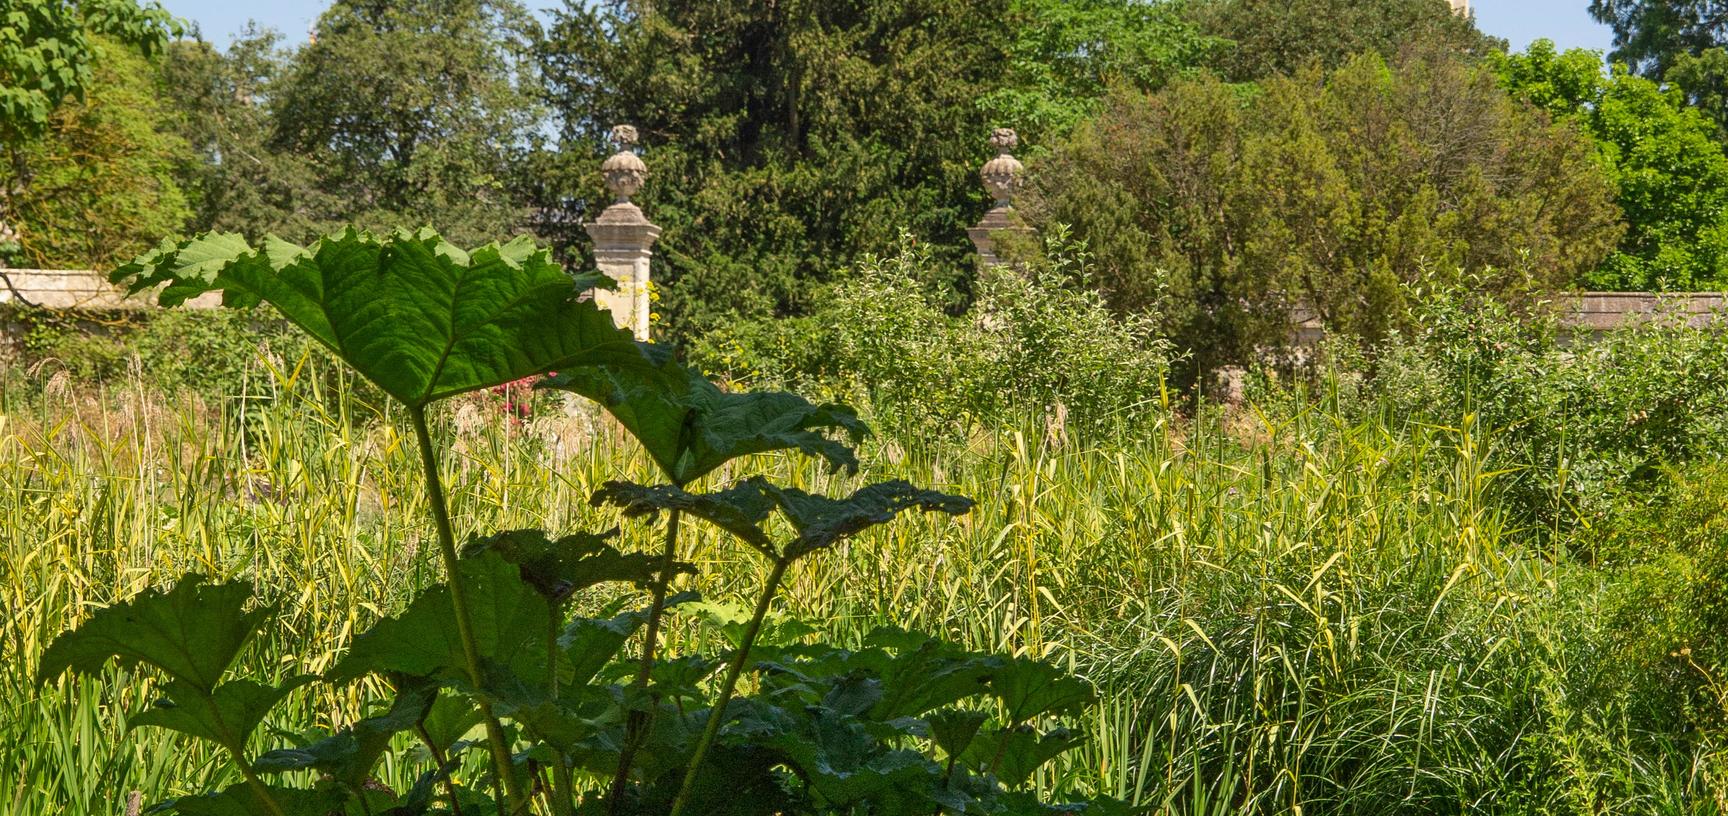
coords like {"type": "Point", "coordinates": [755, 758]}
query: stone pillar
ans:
{"type": "Point", "coordinates": [1461, 7]}
{"type": "Point", "coordinates": [623, 237]}
{"type": "Point", "coordinates": [1003, 176]}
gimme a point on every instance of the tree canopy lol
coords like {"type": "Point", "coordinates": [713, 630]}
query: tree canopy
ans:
{"type": "Point", "coordinates": [1662, 155]}
{"type": "Point", "coordinates": [396, 113]}
{"type": "Point", "coordinates": [1650, 35]}
{"type": "Point", "coordinates": [1229, 210]}
{"type": "Point", "coordinates": [1280, 37]}
{"type": "Point", "coordinates": [106, 171]}
{"type": "Point", "coordinates": [47, 53]}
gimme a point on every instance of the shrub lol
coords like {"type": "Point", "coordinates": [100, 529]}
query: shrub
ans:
{"type": "Point", "coordinates": [205, 351]}
{"type": "Point", "coordinates": [1577, 426]}
{"type": "Point", "coordinates": [1226, 209]}
{"type": "Point", "coordinates": [1038, 338]}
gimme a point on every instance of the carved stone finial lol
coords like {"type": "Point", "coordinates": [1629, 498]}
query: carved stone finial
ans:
{"type": "Point", "coordinates": [1004, 175]}
{"type": "Point", "coordinates": [624, 171]}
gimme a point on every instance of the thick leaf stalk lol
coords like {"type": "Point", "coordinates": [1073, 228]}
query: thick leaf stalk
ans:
{"type": "Point", "coordinates": [636, 728]}
{"type": "Point", "coordinates": [717, 714]}
{"type": "Point", "coordinates": [459, 603]}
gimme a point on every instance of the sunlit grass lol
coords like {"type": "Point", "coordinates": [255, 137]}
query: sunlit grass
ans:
{"type": "Point", "coordinates": [1284, 612]}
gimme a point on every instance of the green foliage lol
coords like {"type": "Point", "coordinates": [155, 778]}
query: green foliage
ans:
{"type": "Point", "coordinates": [426, 321]}
{"type": "Point", "coordinates": [413, 313]}
{"type": "Point", "coordinates": [211, 353]}
{"type": "Point", "coordinates": [396, 114]}
{"type": "Point", "coordinates": [103, 179]}
{"type": "Point", "coordinates": [46, 55]}
{"type": "Point", "coordinates": [1326, 193]}
{"type": "Point", "coordinates": [1663, 156]}
{"type": "Point", "coordinates": [692, 427]}
{"type": "Point", "coordinates": [1272, 37]}
{"type": "Point", "coordinates": [1585, 424]}
{"type": "Point", "coordinates": [1651, 35]}
{"type": "Point", "coordinates": [161, 629]}
{"type": "Point", "coordinates": [1704, 80]}
{"type": "Point", "coordinates": [1067, 55]}
{"type": "Point", "coordinates": [1342, 596]}
{"type": "Point", "coordinates": [769, 177]}
{"type": "Point", "coordinates": [1036, 340]}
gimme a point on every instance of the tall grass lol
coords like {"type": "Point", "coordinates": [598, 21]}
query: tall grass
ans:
{"type": "Point", "coordinates": [1287, 614]}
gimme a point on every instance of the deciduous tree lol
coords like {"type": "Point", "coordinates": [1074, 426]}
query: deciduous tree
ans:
{"type": "Point", "coordinates": [1662, 155]}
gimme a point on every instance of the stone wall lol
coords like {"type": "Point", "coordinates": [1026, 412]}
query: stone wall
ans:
{"type": "Point", "coordinates": [81, 289]}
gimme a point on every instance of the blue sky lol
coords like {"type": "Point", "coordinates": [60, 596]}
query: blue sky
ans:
{"type": "Point", "coordinates": [1520, 21]}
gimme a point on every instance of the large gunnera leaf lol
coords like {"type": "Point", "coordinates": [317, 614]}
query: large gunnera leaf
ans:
{"type": "Point", "coordinates": [690, 427]}
{"type": "Point", "coordinates": [227, 716]}
{"type": "Point", "coordinates": [191, 632]}
{"type": "Point", "coordinates": [413, 313]}
{"type": "Point", "coordinates": [509, 623]}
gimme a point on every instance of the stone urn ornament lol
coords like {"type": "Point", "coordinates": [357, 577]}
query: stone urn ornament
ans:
{"type": "Point", "coordinates": [624, 171]}
{"type": "Point", "coordinates": [1003, 177]}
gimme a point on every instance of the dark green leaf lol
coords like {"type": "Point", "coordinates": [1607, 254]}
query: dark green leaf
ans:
{"type": "Point", "coordinates": [920, 673]}
{"type": "Point", "coordinates": [821, 521]}
{"type": "Point", "coordinates": [226, 717]}
{"type": "Point", "coordinates": [450, 719]}
{"type": "Point", "coordinates": [739, 510]}
{"type": "Point", "coordinates": [853, 695]}
{"type": "Point", "coordinates": [242, 800]}
{"type": "Point", "coordinates": [1032, 688]}
{"type": "Point", "coordinates": [954, 729]}
{"type": "Point", "coordinates": [690, 427]}
{"type": "Point", "coordinates": [572, 563]}
{"type": "Point", "coordinates": [846, 764]}
{"type": "Point", "coordinates": [191, 632]}
{"type": "Point", "coordinates": [1015, 753]}
{"type": "Point", "coordinates": [349, 755]}
{"type": "Point", "coordinates": [590, 644]}
{"type": "Point", "coordinates": [509, 623]}
{"type": "Point", "coordinates": [416, 315]}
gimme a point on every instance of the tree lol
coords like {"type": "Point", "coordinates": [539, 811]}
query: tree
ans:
{"type": "Point", "coordinates": [106, 170]}
{"type": "Point", "coordinates": [784, 138]}
{"type": "Point", "coordinates": [46, 58]}
{"type": "Point", "coordinates": [1663, 156]}
{"type": "Point", "coordinates": [1703, 78]}
{"type": "Point", "coordinates": [1228, 209]}
{"type": "Point", "coordinates": [243, 182]}
{"type": "Point", "coordinates": [1650, 35]}
{"type": "Point", "coordinates": [396, 113]}
{"type": "Point", "coordinates": [787, 140]}
{"type": "Point", "coordinates": [1274, 37]}
{"type": "Point", "coordinates": [1067, 54]}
